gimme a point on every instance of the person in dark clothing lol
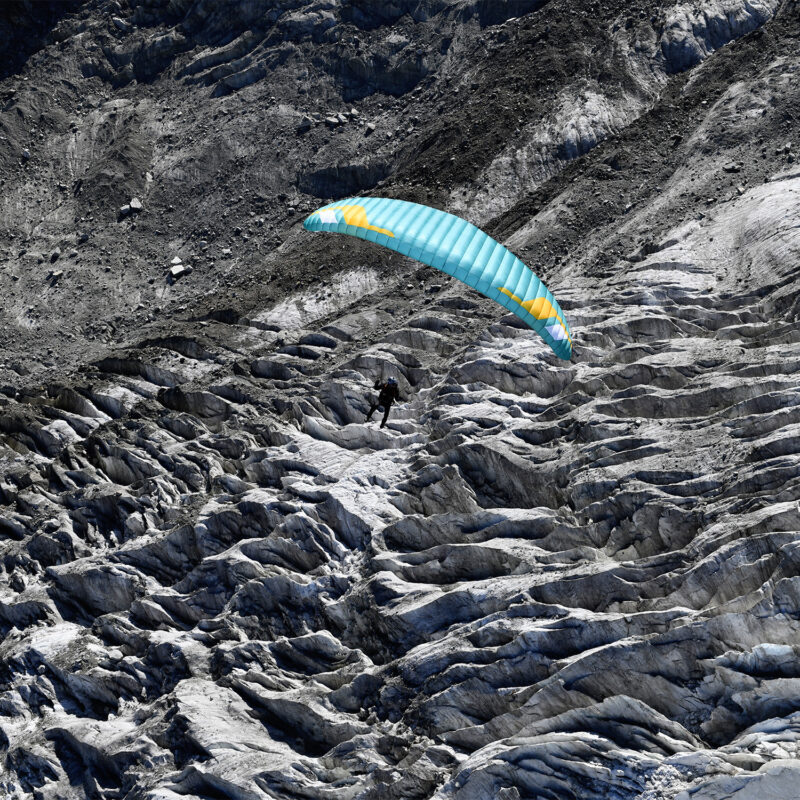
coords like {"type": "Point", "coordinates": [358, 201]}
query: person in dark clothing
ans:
{"type": "Point", "coordinates": [389, 393]}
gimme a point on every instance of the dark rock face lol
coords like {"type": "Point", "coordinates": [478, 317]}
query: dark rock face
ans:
{"type": "Point", "coordinates": [542, 579]}
{"type": "Point", "coordinates": [343, 180]}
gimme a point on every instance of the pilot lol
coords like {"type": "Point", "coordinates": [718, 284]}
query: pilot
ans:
{"type": "Point", "coordinates": [389, 393]}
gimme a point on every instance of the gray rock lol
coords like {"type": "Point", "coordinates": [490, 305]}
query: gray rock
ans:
{"type": "Point", "coordinates": [179, 271]}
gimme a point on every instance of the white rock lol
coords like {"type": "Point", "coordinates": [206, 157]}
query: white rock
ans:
{"type": "Point", "coordinates": [179, 271]}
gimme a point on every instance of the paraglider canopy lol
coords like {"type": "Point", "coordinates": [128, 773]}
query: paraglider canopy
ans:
{"type": "Point", "coordinates": [457, 248]}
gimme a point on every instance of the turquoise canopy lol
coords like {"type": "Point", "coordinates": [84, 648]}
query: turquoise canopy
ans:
{"type": "Point", "coordinates": [456, 247]}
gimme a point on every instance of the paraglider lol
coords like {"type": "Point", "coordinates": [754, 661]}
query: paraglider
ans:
{"type": "Point", "coordinates": [457, 248]}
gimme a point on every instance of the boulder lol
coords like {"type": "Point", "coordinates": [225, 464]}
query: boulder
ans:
{"type": "Point", "coordinates": [179, 271]}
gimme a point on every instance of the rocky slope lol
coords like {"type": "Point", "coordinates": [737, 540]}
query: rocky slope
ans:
{"type": "Point", "coordinates": [542, 579]}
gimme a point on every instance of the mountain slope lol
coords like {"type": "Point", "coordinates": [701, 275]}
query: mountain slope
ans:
{"type": "Point", "coordinates": [542, 579]}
